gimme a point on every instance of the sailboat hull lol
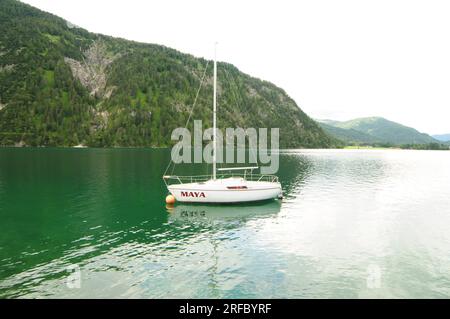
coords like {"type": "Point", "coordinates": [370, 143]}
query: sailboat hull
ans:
{"type": "Point", "coordinates": [225, 191]}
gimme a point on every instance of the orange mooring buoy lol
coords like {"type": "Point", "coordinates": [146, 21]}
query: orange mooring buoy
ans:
{"type": "Point", "coordinates": [170, 200]}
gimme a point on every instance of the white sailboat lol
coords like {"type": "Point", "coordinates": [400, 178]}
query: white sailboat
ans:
{"type": "Point", "coordinates": [225, 188]}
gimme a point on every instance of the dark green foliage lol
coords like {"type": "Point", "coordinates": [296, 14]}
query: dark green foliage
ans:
{"type": "Point", "coordinates": [429, 146]}
{"type": "Point", "coordinates": [152, 89]}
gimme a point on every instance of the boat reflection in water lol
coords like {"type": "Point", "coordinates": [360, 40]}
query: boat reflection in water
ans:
{"type": "Point", "coordinates": [183, 212]}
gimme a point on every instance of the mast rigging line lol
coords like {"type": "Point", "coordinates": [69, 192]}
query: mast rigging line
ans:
{"type": "Point", "coordinates": [235, 95]}
{"type": "Point", "coordinates": [190, 113]}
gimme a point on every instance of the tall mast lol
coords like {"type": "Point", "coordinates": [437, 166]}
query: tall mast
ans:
{"type": "Point", "coordinates": [214, 113]}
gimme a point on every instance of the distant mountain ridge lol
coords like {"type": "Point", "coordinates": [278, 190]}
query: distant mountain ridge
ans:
{"type": "Point", "coordinates": [371, 130]}
{"type": "Point", "coordinates": [442, 137]}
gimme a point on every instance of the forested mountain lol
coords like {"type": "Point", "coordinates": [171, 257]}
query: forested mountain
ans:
{"type": "Point", "coordinates": [349, 136]}
{"type": "Point", "coordinates": [62, 86]}
{"type": "Point", "coordinates": [371, 130]}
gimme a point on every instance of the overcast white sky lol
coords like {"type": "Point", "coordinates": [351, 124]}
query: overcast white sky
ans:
{"type": "Point", "coordinates": [336, 59]}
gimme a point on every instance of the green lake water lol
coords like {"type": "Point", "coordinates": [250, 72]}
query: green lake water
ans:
{"type": "Point", "coordinates": [353, 224]}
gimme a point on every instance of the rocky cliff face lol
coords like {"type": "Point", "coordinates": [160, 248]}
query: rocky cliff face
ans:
{"type": "Point", "coordinates": [92, 70]}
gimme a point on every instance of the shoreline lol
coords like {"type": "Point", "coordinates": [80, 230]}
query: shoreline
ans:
{"type": "Point", "coordinates": [84, 147]}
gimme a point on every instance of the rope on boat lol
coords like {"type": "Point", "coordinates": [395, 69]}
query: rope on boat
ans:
{"type": "Point", "coordinates": [190, 115]}
{"type": "Point", "coordinates": [235, 94]}
{"type": "Point", "coordinates": [234, 90]}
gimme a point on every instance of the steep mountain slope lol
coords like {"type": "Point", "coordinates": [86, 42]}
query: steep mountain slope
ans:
{"type": "Point", "coordinates": [385, 131]}
{"type": "Point", "coordinates": [442, 137]}
{"type": "Point", "coordinates": [349, 136]}
{"type": "Point", "coordinates": [61, 85]}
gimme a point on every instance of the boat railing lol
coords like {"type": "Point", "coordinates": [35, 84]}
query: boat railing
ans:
{"type": "Point", "coordinates": [183, 179]}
